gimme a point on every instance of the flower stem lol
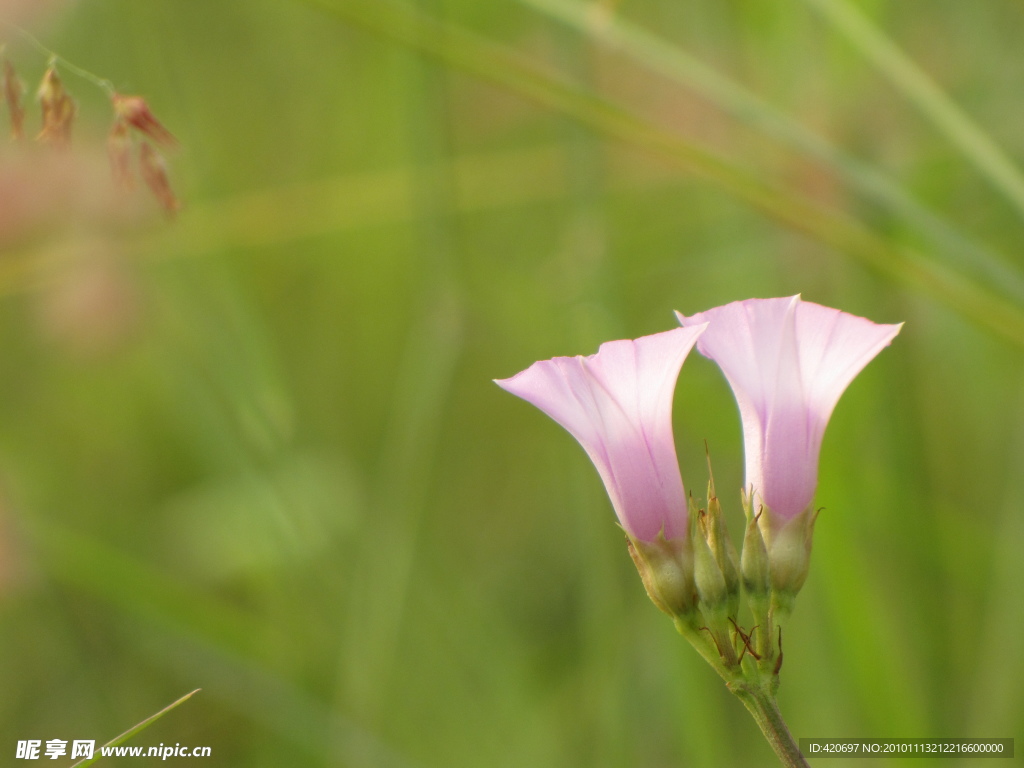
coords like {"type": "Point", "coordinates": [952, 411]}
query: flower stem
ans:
{"type": "Point", "coordinates": [56, 58]}
{"type": "Point", "coordinates": [760, 702]}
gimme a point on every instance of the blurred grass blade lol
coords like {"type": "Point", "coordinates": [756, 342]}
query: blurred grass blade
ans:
{"type": "Point", "coordinates": [417, 410]}
{"type": "Point", "coordinates": [208, 638]}
{"type": "Point", "coordinates": [927, 96]}
{"type": "Point", "coordinates": [466, 50]}
{"type": "Point", "coordinates": [671, 61]}
{"type": "Point", "coordinates": [997, 664]}
{"type": "Point", "coordinates": [99, 569]}
{"type": "Point", "coordinates": [118, 741]}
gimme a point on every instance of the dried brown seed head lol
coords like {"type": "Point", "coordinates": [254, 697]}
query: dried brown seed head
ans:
{"type": "Point", "coordinates": [154, 173]}
{"type": "Point", "coordinates": [58, 110]}
{"type": "Point", "coordinates": [119, 150]}
{"type": "Point", "coordinates": [14, 91]}
{"type": "Point", "coordinates": [136, 112]}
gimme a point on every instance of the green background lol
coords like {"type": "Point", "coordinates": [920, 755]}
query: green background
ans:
{"type": "Point", "coordinates": [257, 449]}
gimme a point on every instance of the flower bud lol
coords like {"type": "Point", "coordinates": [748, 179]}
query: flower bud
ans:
{"type": "Point", "coordinates": [722, 548]}
{"type": "Point", "coordinates": [666, 569]}
{"type": "Point", "coordinates": [757, 585]}
{"type": "Point", "coordinates": [711, 584]}
{"type": "Point", "coordinates": [717, 604]}
{"type": "Point", "coordinates": [754, 563]}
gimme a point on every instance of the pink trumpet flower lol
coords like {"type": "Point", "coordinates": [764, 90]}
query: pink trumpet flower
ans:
{"type": "Point", "coordinates": [787, 361]}
{"type": "Point", "coordinates": [618, 405]}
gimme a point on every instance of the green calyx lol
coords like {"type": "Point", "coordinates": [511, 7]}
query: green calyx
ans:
{"type": "Point", "coordinates": [699, 580]}
{"type": "Point", "coordinates": [789, 554]}
{"type": "Point", "coordinates": [666, 569]}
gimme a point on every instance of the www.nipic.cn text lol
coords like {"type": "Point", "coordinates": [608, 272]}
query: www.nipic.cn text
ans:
{"type": "Point", "coordinates": [35, 749]}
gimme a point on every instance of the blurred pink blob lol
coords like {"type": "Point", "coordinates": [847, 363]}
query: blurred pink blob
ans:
{"type": "Point", "coordinates": [44, 194]}
{"type": "Point", "coordinates": [92, 304]}
{"type": "Point", "coordinates": [28, 11]}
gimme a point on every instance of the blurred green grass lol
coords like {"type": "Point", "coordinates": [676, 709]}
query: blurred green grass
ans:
{"type": "Point", "coordinates": [269, 462]}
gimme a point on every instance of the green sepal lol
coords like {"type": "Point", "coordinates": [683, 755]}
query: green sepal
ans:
{"type": "Point", "coordinates": [789, 553]}
{"type": "Point", "coordinates": [666, 569]}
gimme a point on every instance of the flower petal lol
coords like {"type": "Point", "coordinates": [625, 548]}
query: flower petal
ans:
{"type": "Point", "coordinates": [787, 361]}
{"type": "Point", "coordinates": [618, 405]}
{"type": "Point", "coordinates": [834, 347]}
